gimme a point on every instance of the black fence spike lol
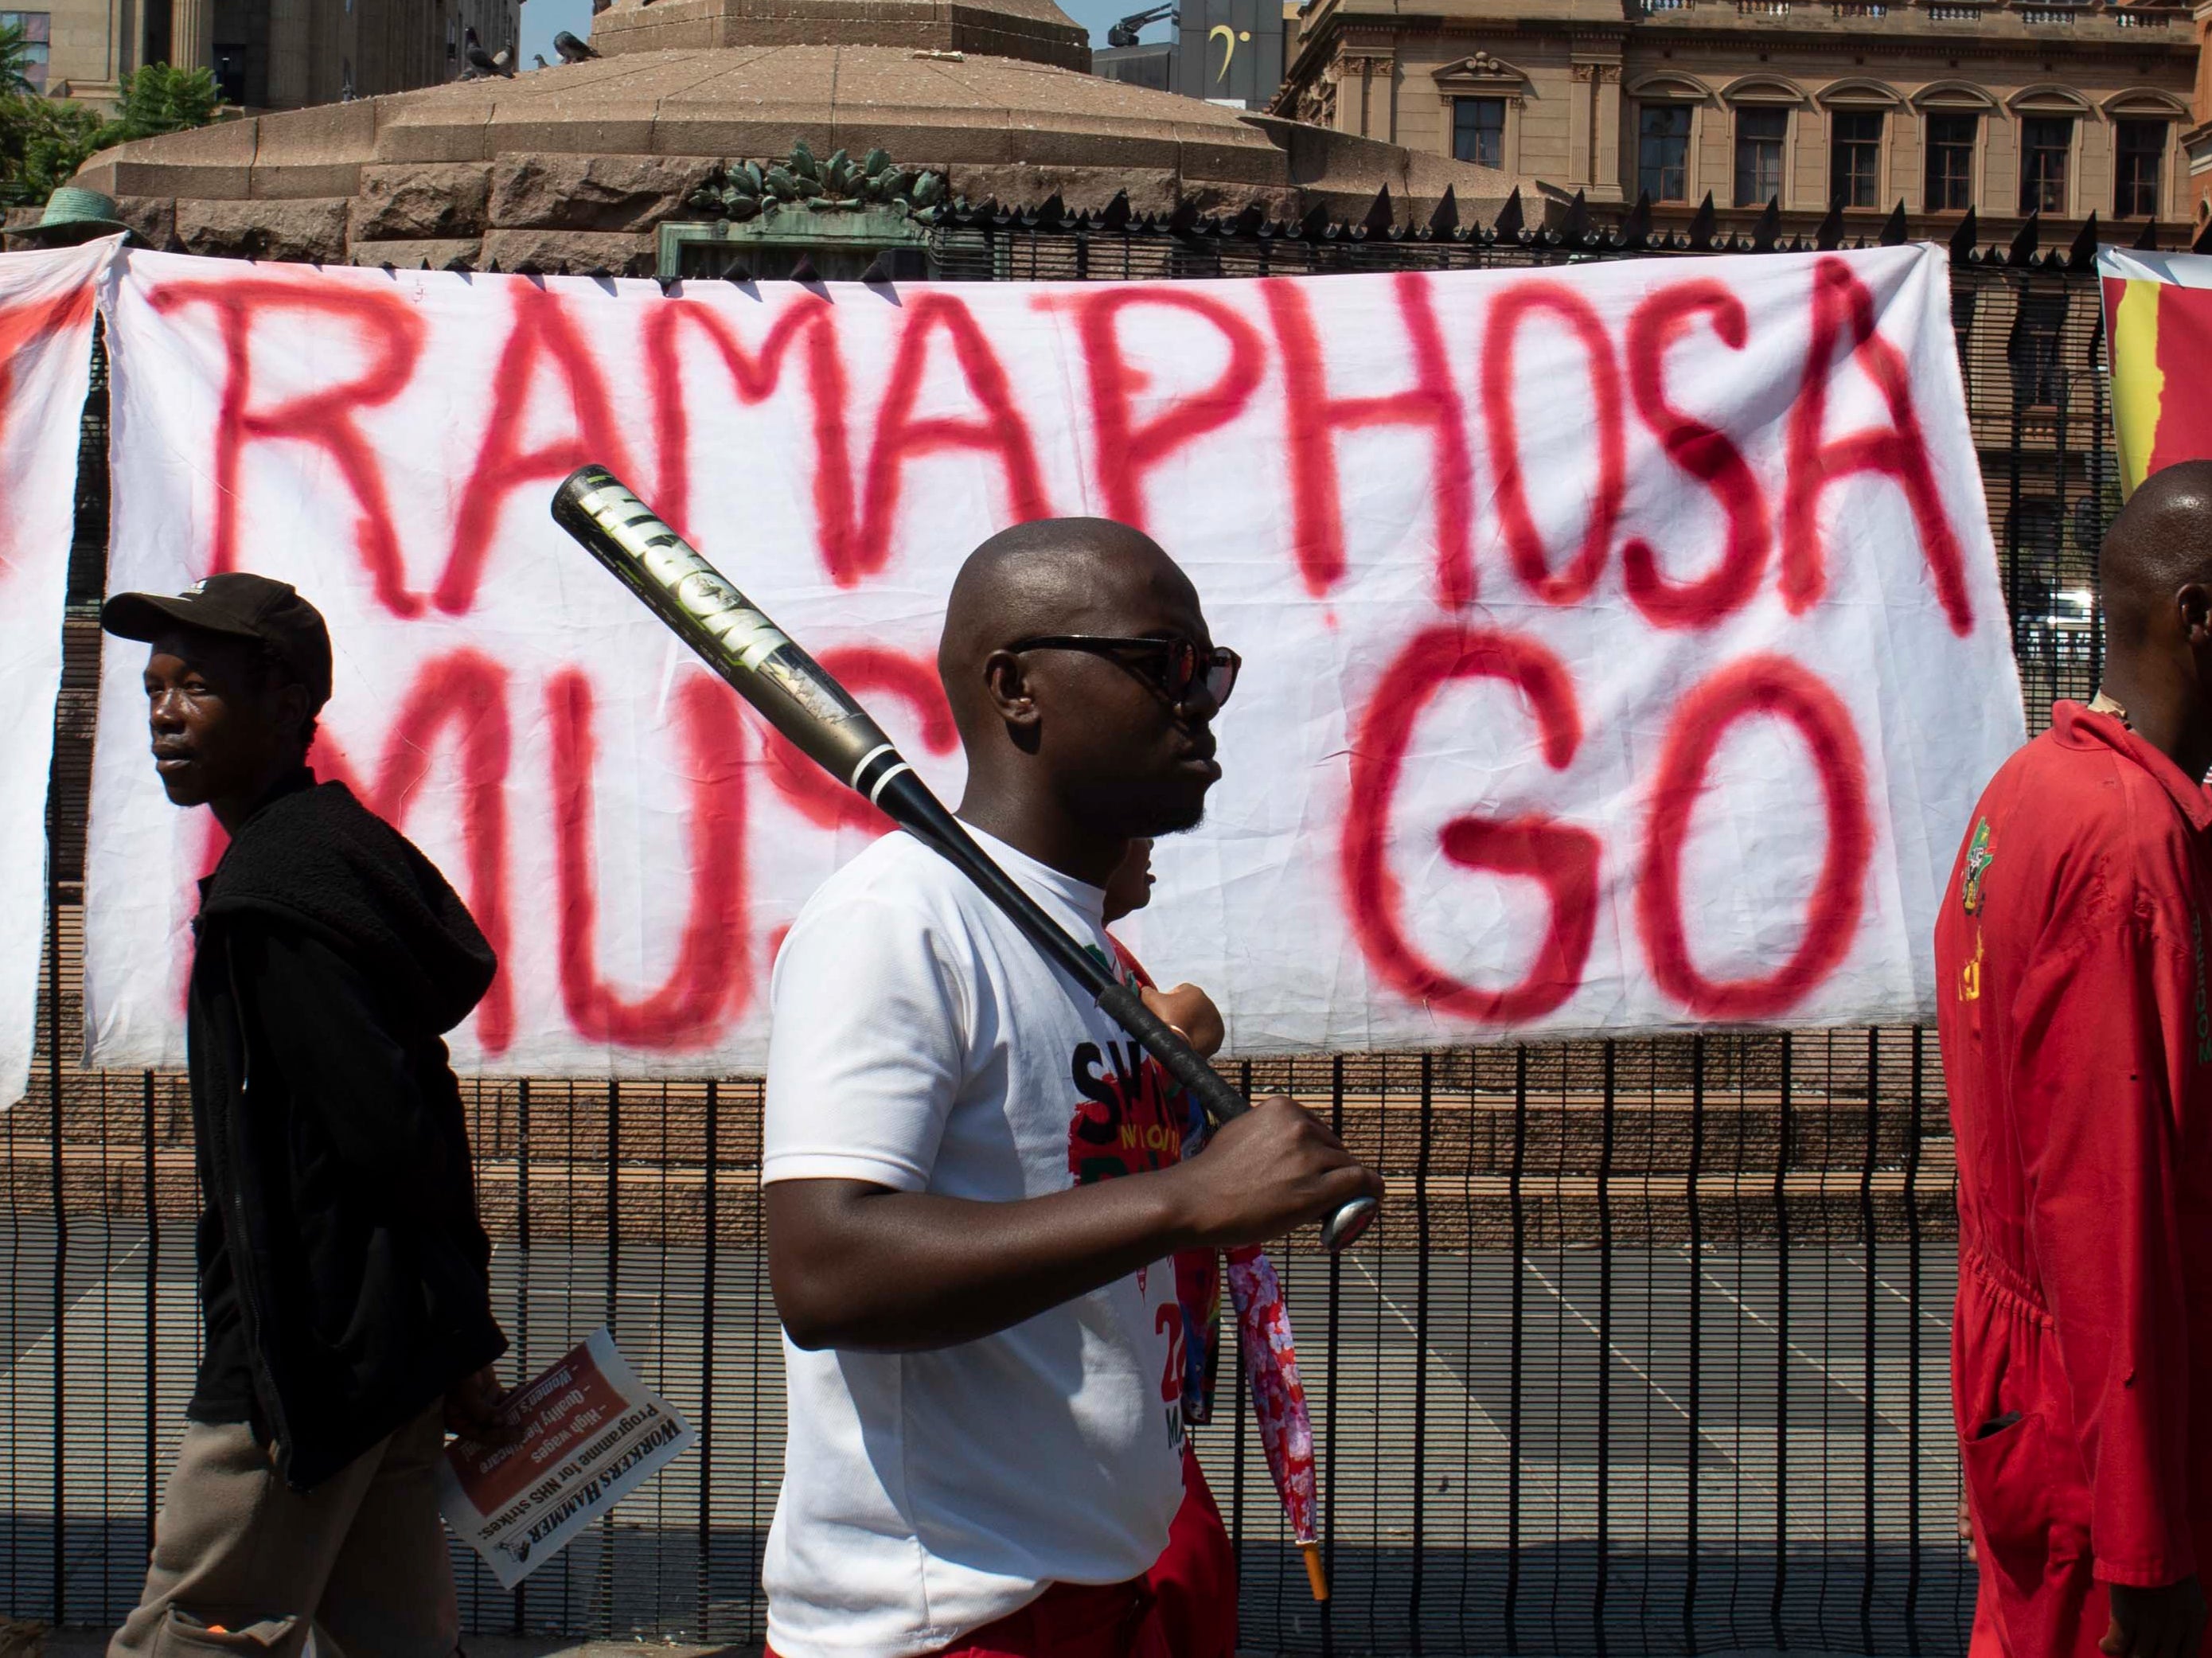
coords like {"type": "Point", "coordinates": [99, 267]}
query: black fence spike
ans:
{"type": "Point", "coordinates": [1314, 225]}
{"type": "Point", "coordinates": [1184, 220]}
{"type": "Point", "coordinates": [803, 271]}
{"type": "Point", "coordinates": [2022, 250]}
{"type": "Point", "coordinates": [2147, 242]}
{"type": "Point", "coordinates": [878, 273]}
{"type": "Point", "coordinates": [1892, 228]}
{"type": "Point", "coordinates": [1768, 227]}
{"type": "Point", "coordinates": [1248, 223]}
{"type": "Point", "coordinates": [1054, 212]}
{"type": "Point", "coordinates": [2083, 256]}
{"type": "Point", "coordinates": [1830, 236]}
{"type": "Point", "coordinates": [1378, 220]}
{"type": "Point", "coordinates": [1445, 219]}
{"type": "Point", "coordinates": [1576, 231]}
{"type": "Point", "coordinates": [1701, 227]}
{"type": "Point", "coordinates": [740, 274]}
{"type": "Point", "coordinates": [1511, 221]}
{"type": "Point", "coordinates": [1117, 212]}
{"type": "Point", "coordinates": [1636, 233]}
{"type": "Point", "coordinates": [1963, 239]}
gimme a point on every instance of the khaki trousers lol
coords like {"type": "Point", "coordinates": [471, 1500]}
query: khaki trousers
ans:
{"type": "Point", "coordinates": [243, 1563]}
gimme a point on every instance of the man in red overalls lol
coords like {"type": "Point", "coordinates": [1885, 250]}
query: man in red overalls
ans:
{"type": "Point", "coordinates": [2070, 977]}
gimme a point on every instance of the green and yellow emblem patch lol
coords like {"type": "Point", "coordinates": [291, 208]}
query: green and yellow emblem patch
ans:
{"type": "Point", "coordinates": [1978, 858]}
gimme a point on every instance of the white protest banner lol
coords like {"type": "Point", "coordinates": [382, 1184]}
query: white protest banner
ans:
{"type": "Point", "coordinates": [46, 307]}
{"type": "Point", "coordinates": [1624, 644]}
{"type": "Point", "coordinates": [592, 1433]}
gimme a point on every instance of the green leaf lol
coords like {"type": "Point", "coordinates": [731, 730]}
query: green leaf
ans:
{"type": "Point", "coordinates": [927, 190]}
{"type": "Point", "coordinates": [803, 162]}
{"type": "Point", "coordinates": [875, 162]}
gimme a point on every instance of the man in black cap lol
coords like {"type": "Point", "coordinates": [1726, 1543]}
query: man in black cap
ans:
{"type": "Point", "coordinates": [343, 1271]}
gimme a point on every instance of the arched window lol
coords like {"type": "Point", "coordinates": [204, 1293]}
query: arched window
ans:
{"type": "Point", "coordinates": [1665, 118]}
{"type": "Point", "coordinates": [2143, 125]}
{"type": "Point", "coordinates": [2050, 117]}
{"type": "Point", "coordinates": [1859, 113]}
{"type": "Point", "coordinates": [1953, 120]}
{"type": "Point", "coordinates": [1761, 108]}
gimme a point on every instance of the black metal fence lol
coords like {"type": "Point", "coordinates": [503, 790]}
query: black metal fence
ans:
{"type": "Point", "coordinates": [1650, 1358]}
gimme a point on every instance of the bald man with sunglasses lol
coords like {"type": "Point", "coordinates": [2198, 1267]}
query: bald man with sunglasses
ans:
{"type": "Point", "coordinates": [973, 1179]}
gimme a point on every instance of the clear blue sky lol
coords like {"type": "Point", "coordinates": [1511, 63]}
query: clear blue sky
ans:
{"type": "Point", "coordinates": [543, 19]}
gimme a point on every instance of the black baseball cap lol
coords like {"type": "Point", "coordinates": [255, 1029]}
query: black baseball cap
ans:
{"type": "Point", "coordinates": [240, 605]}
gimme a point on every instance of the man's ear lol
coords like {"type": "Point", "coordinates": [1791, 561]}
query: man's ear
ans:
{"type": "Point", "coordinates": [2193, 602]}
{"type": "Point", "coordinates": [292, 710]}
{"type": "Point", "coordinates": [1007, 682]}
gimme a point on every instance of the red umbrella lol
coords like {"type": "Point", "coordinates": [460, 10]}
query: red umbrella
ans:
{"type": "Point", "coordinates": [1279, 1399]}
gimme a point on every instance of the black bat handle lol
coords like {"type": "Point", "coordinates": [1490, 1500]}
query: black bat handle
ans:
{"type": "Point", "coordinates": [908, 801]}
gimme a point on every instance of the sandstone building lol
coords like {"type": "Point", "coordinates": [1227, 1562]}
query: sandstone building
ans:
{"type": "Point", "coordinates": [600, 166]}
{"type": "Point", "coordinates": [266, 54]}
{"type": "Point", "coordinates": [2196, 143]}
{"type": "Point", "coordinates": [2061, 108]}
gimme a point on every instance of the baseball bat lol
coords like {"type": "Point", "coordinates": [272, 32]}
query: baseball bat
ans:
{"type": "Point", "coordinates": [734, 637]}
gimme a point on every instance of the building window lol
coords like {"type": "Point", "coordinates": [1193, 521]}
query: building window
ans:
{"type": "Point", "coordinates": [1951, 161]}
{"type": "Point", "coordinates": [1662, 154]}
{"type": "Point", "coordinates": [2045, 141]}
{"type": "Point", "coordinates": [2142, 146]}
{"type": "Point", "coordinates": [36, 30]}
{"type": "Point", "coordinates": [1759, 134]}
{"type": "Point", "coordinates": [2032, 531]}
{"type": "Point", "coordinates": [1854, 165]}
{"type": "Point", "coordinates": [2039, 373]}
{"type": "Point", "coordinates": [1479, 130]}
{"type": "Point", "coordinates": [230, 72]}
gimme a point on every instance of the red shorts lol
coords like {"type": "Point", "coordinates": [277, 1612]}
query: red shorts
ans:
{"type": "Point", "coordinates": [1194, 1581]}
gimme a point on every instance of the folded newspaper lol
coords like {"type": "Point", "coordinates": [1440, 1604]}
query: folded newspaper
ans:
{"type": "Point", "coordinates": [591, 1432]}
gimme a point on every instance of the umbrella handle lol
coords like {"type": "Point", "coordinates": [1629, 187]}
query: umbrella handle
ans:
{"type": "Point", "coordinates": [1316, 1579]}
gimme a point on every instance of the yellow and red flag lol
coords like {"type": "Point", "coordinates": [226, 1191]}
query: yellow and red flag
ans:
{"type": "Point", "coordinates": [2158, 316]}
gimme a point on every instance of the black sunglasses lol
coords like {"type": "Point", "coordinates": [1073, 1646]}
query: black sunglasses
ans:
{"type": "Point", "coordinates": [1176, 665]}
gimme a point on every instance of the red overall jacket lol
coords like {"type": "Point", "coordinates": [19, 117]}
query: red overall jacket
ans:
{"type": "Point", "coordinates": [2077, 1046]}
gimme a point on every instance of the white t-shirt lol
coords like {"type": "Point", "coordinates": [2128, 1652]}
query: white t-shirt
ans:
{"type": "Point", "coordinates": [921, 1043]}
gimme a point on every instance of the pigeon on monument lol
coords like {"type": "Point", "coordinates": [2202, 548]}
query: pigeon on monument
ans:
{"type": "Point", "coordinates": [572, 50]}
{"type": "Point", "coordinates": [479, 61]}
{"type": "Point", "coordinates": [537, 60]}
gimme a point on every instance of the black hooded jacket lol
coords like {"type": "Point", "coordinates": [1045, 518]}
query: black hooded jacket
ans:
{"type": "Point", "coordinates": [343, 1267]}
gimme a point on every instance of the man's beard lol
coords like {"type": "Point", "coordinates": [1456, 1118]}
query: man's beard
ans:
{"type": "Point", "coordinates": [1183, 820]}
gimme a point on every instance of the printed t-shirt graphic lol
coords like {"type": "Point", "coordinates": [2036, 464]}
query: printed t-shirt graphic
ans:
{"type": "Point", "coordinates": [921, 1043]}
